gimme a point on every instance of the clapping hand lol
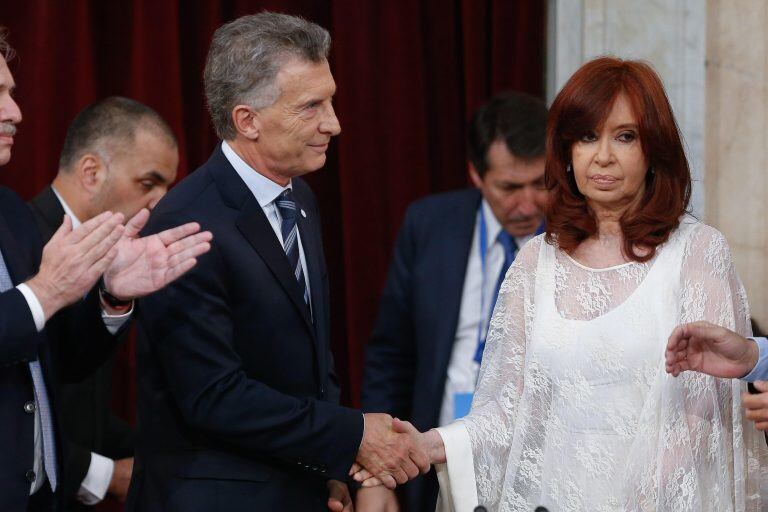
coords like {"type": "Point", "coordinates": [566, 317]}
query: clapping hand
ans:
{"type": "Point", "coordinates": [427, 447]}
{"type": "Point", "coordinates": [145, 264]}
{"type": "Point", "coordinates": [710, 349]}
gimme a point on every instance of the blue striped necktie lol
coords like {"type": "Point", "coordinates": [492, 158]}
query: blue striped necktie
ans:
{"type": "Point", "coordinates": [41, 396]}
{"type": "Point", "coordinates": [289, 229]}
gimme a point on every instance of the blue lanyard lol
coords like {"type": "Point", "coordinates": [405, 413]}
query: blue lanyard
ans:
{"type": "Point", "coordinates": [483, 249]}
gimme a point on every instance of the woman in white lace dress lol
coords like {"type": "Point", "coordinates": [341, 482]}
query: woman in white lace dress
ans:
{"type": "Point", "coordinates": [573, 409]}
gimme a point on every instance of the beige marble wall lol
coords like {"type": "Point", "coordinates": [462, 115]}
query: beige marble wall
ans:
{"type": "Point", "coordinates": [736, 138]}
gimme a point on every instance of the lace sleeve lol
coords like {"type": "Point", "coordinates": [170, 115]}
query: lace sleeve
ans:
{"type": "Point", "coordinates": [490, 423]}
{"type": "Point", "coordinates": [707, 456]}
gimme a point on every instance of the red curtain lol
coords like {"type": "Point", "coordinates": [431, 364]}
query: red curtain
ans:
{"type": "Point", "coordinates": [408, 72]}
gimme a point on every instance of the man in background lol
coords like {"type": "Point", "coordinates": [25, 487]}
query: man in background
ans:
{"type": "Point", "coordinates": [120, 156]}
{"type": "Point", "coordinates": [451, 255]}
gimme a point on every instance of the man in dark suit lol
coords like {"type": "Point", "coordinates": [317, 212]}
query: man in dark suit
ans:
{"type": "Point", "coordinates": [41, 339]}
{"type": "Point", "coordinates": [452, 252]}
{"type": "Point", "coordinates": [118, 155]}
{"type": "Point", "coordinates": [238, 401]}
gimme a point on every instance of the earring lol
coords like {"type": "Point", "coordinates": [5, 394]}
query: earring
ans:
{"type": "Point", "coordinates": [569, 168]}
{"type": "Point", "coordinates": [651, 170]}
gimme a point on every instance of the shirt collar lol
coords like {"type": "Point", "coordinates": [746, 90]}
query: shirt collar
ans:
{"type": "Point", "coordinates": [492, 225]}
{"type": "Point", "coordinates": [263, 189]}
{"type": "Point", "coordinates": [67, 209]}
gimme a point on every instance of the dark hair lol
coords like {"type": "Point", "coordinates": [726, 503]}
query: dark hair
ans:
{"type": "Point", "coordinates": [5, 48]}
{"type": "Point", "coordinates": [518, 119]}
{"type": "Point", "coordinates": [580, 108]}
{"type": "Point", "coordinates": [114, 119]}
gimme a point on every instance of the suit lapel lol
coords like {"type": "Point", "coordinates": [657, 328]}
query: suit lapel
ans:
{"type": "Point", "coordinates": [255, 227]}
{"type": "Point", "coordinates": [18, 268]}
{"type": "Point", "coordinates": [48, 212]}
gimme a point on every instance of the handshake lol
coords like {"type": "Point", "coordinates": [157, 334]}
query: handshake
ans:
{"type": "Point", "coordinates": [394, 451]}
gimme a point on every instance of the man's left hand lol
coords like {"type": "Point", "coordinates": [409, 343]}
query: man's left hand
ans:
{"type": "Point", "coordinates": [339, 499]}
{"type": "Point", "coordinates": [145, 264]}
{"type": "Point", "coordinates": [757, 405]}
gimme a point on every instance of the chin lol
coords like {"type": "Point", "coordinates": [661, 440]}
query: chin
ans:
{"type": "Point", "coordinates": [5, 156]}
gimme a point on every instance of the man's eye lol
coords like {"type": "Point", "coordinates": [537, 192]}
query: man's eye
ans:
{"type": "Point", "coordinates": [147, 185]}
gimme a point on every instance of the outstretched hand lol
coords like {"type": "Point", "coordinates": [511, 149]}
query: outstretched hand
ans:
{"type": "Point", "coordinates": [145, 264]}
{"type": "Point", "coordinates": [710, 349]}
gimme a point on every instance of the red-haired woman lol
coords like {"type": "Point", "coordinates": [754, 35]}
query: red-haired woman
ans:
{"type": "Point", "coordinates": [574, 410]}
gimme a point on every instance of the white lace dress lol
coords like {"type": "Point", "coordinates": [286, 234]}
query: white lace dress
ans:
{"type": "Point", "coordinates": [574, 410]}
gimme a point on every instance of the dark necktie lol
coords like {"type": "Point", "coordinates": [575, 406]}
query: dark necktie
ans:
{"type": "Point", "coordinates": [289, 229]}
{"type": "Point", "coordinates": [41, 396]}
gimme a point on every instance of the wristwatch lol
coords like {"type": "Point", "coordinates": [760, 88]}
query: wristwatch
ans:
{"type": "Point", "coordinates": [110, 299]}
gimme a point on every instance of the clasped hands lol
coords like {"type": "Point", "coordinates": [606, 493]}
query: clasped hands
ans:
{"type": "Point", "coordinates": [132, 266]}
{"type": "Point", "coordinates": [394, 451]}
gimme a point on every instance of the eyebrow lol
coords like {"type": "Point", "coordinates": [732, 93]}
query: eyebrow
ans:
{"type": "Point", "coordinates": [626, 125]}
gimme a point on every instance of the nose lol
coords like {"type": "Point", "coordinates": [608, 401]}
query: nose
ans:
{"type": "Point", "coordinates": [9, 110]}
{"type": "Point", "coordinates": [604, 155]}
{"type": "Point", "coordinates": [330, 124]}
{"type": "Point", "coordinates": [528, 205]}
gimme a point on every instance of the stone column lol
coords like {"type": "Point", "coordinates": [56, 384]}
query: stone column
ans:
{"type": "Point", "coordinates": [737, 138]}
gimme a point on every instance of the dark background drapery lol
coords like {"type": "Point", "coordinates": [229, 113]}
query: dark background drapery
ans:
{"type": "Point", "coordinates": [408, 72]}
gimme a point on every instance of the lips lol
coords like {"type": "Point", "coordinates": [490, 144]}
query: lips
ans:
{"type": "Point", "coordinates": [603, 179]}
{"type": "Point", "coordinates": [6, 139]}
{"type": "Point", "coordinates": [319, 147]}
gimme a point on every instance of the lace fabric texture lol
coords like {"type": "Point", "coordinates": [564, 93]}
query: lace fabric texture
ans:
{"type": "Point", "coordinates": [574, 410]}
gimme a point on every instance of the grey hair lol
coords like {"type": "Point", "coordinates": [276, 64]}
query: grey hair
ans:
{"type": "Point", "coordinates": [5, 48]}
{"type": "Point", "coordinates": [245, 57]}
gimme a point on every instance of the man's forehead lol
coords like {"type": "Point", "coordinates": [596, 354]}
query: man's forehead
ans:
{"type": "Point", "coordinates": [303, 78]}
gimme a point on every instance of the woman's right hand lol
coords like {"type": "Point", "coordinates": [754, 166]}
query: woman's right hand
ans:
{"type": "Point", "coordinates": [376, 499]}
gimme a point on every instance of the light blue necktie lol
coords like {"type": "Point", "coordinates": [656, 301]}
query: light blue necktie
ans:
{"type": "Point", "coordinates": [41, 396]}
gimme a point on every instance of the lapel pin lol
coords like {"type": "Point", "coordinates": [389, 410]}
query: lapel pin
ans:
{"type": "Point", "coordinates": [303, 214]}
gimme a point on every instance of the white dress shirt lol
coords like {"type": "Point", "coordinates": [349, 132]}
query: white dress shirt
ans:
{"type": "Point", "coordinates": [462, 369]}
{"type": "Point", "coordinates": [94, 486]}
{"type": "Point", "coordinates": [266, 191]}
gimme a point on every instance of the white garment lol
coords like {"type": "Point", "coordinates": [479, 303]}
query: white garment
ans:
{"type": "Point", "coordinates": [462, 369]}
{"type": "Point", "coordinates": [574, 409]}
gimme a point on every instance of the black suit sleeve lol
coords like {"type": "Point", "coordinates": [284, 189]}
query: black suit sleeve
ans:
{"type": "Point", "coordinates": [18, 340]}
{"type": "Point", "coordinates": [190, 327]}
{"type": "Point", "coordinates": [390, 356]}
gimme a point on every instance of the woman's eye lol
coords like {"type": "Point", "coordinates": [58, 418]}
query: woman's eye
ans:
{"type": "Point", "coordinates": [588, 137]}
{"type": "Point", "coordinates": [627, 137]}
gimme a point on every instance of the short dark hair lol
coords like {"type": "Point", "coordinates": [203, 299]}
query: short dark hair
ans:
{"type": "Point", "coordinates": [520, 120]}
{"type": "Point", "coordinates": [114, 119]}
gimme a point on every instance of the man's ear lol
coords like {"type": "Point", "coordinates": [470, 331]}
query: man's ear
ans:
{"type": "Point", "coordinates": [91, 172]}
{"type": "Point", "coordinates": [247, 121]}
{"type": "Point", "coordinates": [477, 180]}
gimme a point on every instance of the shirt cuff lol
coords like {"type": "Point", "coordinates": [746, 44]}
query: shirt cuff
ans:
{"type": "Point", "coordinates": [34, 306]}
{"type": "Point", "coordinates": [760, 371]}
{"type": "Point", "coordinates": [96, 482]}
{"type": "Point", "coordinates": [113, 323]}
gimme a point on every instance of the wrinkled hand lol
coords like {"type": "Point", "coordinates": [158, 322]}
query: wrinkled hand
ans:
{"type": "Point", "coordinates": [74, 259]}
{"type": "Point", "coordinates": [121, 479]}
{"type": "Point", "coordinates": [757, 405]}
{"type": "Point", "coordinates": [710, 349]}
{"type": "Point", "coordinates": [376, 499]}
{"type": "Point", "coordinates": [339, 499]}
{"type": "Point", "coordinates": [145, 264]}
{"type": "Point", "coordinates": [430, 443]}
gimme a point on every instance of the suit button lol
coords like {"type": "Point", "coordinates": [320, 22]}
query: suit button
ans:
{"type": "Point", "coordinates": [322, 391]}
{"type": "Point", "coordinates": [314, 468]}
{"type": "Point", "coordinates": [29, 407]}
{"type": "Point", "coordinates": [30, 476]}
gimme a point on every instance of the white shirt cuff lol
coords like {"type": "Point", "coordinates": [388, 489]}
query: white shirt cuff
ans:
{"type": "Point", "coordinates": [458, 490]}
{"type": "Point", "coordinates": [96, 482]}
{"type": "Point", "coordinates": [760, 371]}
{"type": "Point", "coordinates": [34, 306]}
{"type": "Point", "coordinates": [113, 323]}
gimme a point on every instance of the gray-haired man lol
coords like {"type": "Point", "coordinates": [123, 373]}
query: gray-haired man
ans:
{"type": "Point", "coordinates": [237, 394]}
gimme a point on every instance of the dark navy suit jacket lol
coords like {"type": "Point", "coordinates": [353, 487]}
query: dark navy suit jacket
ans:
{"type": "Point", "coordinates": [73, 343]}
{"type": "Point", "coordinates": [408, 353]}
{"type": "Point", "coordinates": [238, 403]}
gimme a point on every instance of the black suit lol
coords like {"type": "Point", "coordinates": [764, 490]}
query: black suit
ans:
{"type": "Point", "coordinates": [409, 351]}
{"type": "Point", "coordinates": [73, 343]}
{"type": "Point", "coordinates": [87, 423]}
{"type": "Point", "coordinates": [237, 399]}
